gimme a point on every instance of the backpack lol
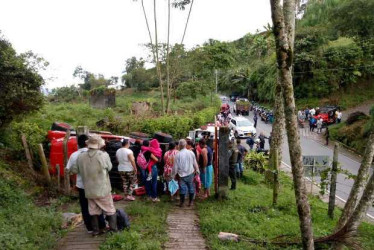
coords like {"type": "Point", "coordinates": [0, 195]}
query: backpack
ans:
{"type": "Point", "coordinates": [123, 220]}
{"type": "Point", "coordinates": [141, 161]}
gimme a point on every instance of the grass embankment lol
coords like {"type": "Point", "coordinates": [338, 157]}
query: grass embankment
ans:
{"type": "Point", "coordinates": [346, 98]}
{"type": "Point", "coordinates": [354, 133]}
{"type": "Point", "coordinates": [248, 212]}
{"type": "Point", "coordinates": [148, 227]}
{"type": "Point", "coordinates": [23, 225]}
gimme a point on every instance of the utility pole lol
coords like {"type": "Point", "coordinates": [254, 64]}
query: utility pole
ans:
{"type": "Point", "coordinates": [216, 71]}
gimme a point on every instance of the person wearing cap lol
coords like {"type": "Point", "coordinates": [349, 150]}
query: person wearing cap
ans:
{"type": "Point", "coordinates": [94, 166]}
{"type": "Point", "coordinates": [82, 147]}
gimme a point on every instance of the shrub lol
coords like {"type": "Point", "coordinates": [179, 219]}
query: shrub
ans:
{"type": "Point", "coordinates": [355, 116]}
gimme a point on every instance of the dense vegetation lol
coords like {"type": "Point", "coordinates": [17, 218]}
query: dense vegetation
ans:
{"type": "Point", "coordinates": [355, 132]}
{"type": "Point", "coordinates": [333, 55]}
{"type": "Point", "coordinates": [20, 83]}
{"type": "Point", "coordinates": [23, 225]}
{"type": "Point", "coordinates": [249, 213]}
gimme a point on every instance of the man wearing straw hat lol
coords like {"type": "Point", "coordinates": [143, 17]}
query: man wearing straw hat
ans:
{"type": "Point", "coordinates": [93, 166]}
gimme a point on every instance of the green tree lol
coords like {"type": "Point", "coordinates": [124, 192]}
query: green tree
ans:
{"type": "Point", "coordinates": [20, 83]}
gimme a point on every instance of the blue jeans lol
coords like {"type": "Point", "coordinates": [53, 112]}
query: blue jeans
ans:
{"type": "Point", "coordinates": [151, 186]}
{"type": "Point", "coordinates": [186, 184]}
{"type": "Point", "coordinates": [239, 167]}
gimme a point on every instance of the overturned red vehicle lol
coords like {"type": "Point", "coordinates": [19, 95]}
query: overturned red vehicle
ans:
{"type": "Point", "coordinates": [327, 114]}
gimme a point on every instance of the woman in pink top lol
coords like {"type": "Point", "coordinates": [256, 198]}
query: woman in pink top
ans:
{"type": "Point", "coordinates": [169, 160]}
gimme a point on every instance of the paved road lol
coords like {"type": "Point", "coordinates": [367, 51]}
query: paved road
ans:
{"type": "Point", "coordinates": [312, 147]}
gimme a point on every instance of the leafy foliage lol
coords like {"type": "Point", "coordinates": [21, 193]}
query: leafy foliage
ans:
{"type": "Point", "coordinates": [256, 161]}
{"type": "Point", "coordinates": [22, 224]}
{"type": "Point", "coordinates": [20, 84]}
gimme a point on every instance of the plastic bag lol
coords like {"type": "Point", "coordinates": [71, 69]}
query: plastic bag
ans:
{"type": "Point", "coordinates": [173, 187]}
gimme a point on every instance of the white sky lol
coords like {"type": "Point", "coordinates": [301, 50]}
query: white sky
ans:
{"type": "Point", "coordinates": [100, 35]}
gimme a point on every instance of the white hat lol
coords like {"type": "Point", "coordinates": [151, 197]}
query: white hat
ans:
{"type": "Point", "coordinates": [95, 142]}
{"type": "Point", "coordinates": [189, 138]}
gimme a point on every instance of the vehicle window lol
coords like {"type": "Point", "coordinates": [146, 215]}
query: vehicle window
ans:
{"type": "Point", "coordinates": [244, 123]}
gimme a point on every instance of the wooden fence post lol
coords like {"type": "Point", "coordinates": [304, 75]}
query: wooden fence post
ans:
{"type": "Point", "coordinates": [27, 152]}
{"type": "Point", "coordinates": [334, 171]}
{"type": "Point", "coordinates": [45, 169]}
{"type": "Point", "coordinates": [66, 174]}
{"type": "Point", "coordinates": [223, 160]}
{"type": "Point", "coordinates": [215, 160]}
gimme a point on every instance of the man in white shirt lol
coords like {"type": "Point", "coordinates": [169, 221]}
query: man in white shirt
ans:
{"type": "Point", "coordinates": [127, 169]}
{"type": "Point", "coordinates": [339, 117]}
{"type": "Point", "coordinates": [185, 165]}
{"type": "Point", "coordinates": [79, 184]}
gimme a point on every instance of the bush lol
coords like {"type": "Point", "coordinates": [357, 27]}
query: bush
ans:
{"type": "Point", "coordinates": [22, 224]}
{"type": "Point", "coordinates": [355, 116]}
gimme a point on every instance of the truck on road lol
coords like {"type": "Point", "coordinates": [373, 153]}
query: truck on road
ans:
{"type": "Point", "coordinates": [242, 106]}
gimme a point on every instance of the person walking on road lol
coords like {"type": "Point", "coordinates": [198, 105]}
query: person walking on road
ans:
{"type": "Point", "coordinates": [233, 161]}
{"type": "Point", "coordinates": [185, 165]}
{"type": "Point", "coordinates": [319, 125]}
{"type": "Point", "coordinates": [79, 184]}
{"type": "Point", "coordinates": [127, 169]}
{"type": "Point", "coordinates": [94, 166]}
{"type": "Point", "coordinates": [327, 136]}
{"type": "Point", "coordinates": [255, 120]}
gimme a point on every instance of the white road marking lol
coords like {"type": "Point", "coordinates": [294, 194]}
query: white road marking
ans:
{"type": "Point", "coordinates": [368, 215]}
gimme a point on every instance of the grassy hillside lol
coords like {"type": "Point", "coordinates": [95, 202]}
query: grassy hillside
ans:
{"type": "Point", "coordinates": [248, 212]}
{"type": "Point", "coordinates": [24, 225]}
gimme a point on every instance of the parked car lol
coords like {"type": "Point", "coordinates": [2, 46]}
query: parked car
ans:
{"type": "Point", "coordinates": [242, 127]}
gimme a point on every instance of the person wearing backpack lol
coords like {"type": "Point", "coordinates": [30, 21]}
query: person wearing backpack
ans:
{"type": "Point", "coordinates": [127, 169]}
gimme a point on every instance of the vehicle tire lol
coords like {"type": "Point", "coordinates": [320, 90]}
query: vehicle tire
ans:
{"type": "Point", "coordinates": [236, 135]}
{"type": "Point", "coordinates": [61, 126]}
{"type": "Point", "coordinates": [139, 135]}
{"type": "Point", "coordinates": [163, 137]}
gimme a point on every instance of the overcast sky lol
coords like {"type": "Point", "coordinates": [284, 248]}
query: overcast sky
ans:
{"type": "Point", "coordinates": [100, 35]}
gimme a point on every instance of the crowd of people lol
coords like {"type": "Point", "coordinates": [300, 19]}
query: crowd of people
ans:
{"type": "Point", "coordinates": [187, 163]}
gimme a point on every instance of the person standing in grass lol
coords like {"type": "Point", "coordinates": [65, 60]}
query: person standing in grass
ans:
{"type": "Point", "coordinates": [185, 165]}
{"type": "Point", "coordinates": [94, 166]}
{"type": "Point", "coordinates": [82, 147]}
{"type": "Point", "coordinates": [327, 135]}
{"type": "Point", "coordinates": [206, 168]}
{"type": "Point", "coordinates": [127, 169]}
{"type": "Point", "coordinates": [169, 162]}
{"type": "Point", "coordinates": [233, 161]}
{"type": "Point", "coordinates": [242, 152]}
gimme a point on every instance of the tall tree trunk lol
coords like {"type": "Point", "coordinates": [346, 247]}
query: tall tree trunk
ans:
{"type": "Point", "coordinates": [277, 135]}
{"type": "Point", "coordinates": [334, 173]}
{"type": "Point", "coordinates": [168, 63]}
{"type": "Point", "coordinates": [349, 230]}
{"type": "Point", "coordinates": [149, 31]}
{"type": "Point", "coordinates": [284, 26]}
{"type": "Point", "coordinates": [158, 64]}
{"type": "Point", "coordinates": [188, 19]}
{"type": "Point", "coordinates": [359, 183]}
